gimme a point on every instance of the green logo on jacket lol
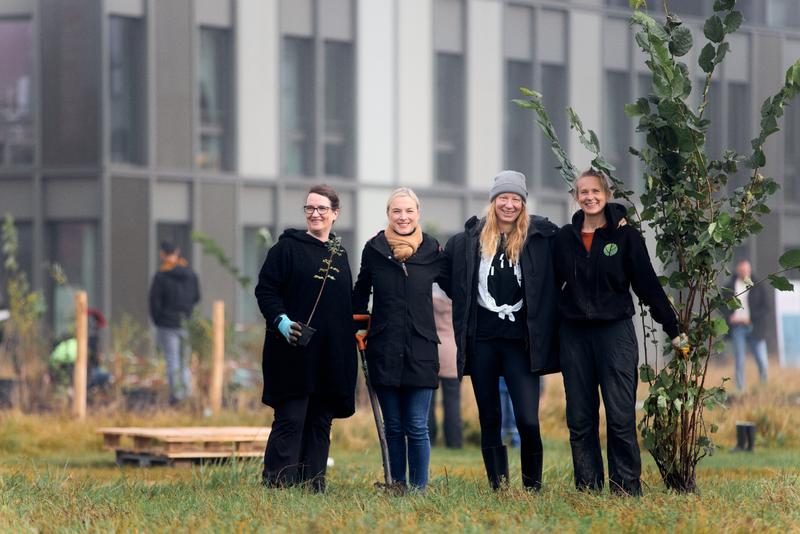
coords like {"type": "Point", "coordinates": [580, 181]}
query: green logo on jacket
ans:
{"type": "Point", "coordinates": [610, 249]}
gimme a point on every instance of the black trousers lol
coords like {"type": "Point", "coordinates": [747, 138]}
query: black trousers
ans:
{"type": "Point", "coordinates": [298, 445]}
{"type": "Point", "coordinates": [451, 401]}
{"type": "Point", "coordinates": [603, 355]}
{"type": "Point", "coordinates": [508, 358]}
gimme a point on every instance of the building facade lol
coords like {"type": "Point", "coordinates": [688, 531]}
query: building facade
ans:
{"type": "Point", "coordinates": [127, 122]}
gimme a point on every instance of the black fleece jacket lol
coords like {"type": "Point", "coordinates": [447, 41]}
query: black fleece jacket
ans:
{"type": "Point", "coordinates": [596, 285]}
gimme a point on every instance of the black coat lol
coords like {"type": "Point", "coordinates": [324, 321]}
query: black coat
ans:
{"type": "Point", "coordinates": [539, 291]}
{"type": "Point", "coordinates": [597, 284]}
{"type": "Point", "coordinates": [173, 294]}
{"type": "Point", "coordinates": [402, 347]}
{"type": "Point", "coordinates": [326, 367]}
{"type": "Point", "coordinates": [757, 301]}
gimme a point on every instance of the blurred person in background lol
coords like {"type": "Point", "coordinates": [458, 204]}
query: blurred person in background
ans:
{"type": "Point", "coordinates": [450, 386]}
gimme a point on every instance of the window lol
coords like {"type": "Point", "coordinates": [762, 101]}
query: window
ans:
{"type": "Point", "coordinates": [715, 137]}
{"type": "Point", "coordinates": [783, 13]}
{"type": "Point", "coordinates": [73, 245]}
{"type": "Point", "coordinates": [554, 97]}
{"type": "Point", "coordinates": [16, 113]}
{"type": "Point", "coordinates": [519, 124]}
{"type": "Point", "coordinates": [254, 252]}
{"type": "Point", "coordinates": [791, 153]}
{"type": "Point", "coordinates": [297, 96]}
{"type": "Point", "coordinates": [214, 92]}
{"type": "Point", "coordinates": [449, 97]}
{"type": "Point", "coordinates": [127, 90]}
{"type": "Point", "coordinates": [317, 126]}
{"type": "Point", "coordinates": [449, 118]}
{"type": "Point", "coordinates": [618, 127]}
{"type": "Point", "coordinates": [24, 259]}
{"type": "Point", "coordinates": [739, 133]}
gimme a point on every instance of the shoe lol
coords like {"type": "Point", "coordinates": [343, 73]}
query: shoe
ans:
{"type": "Point", "coordinates": [532, 471]}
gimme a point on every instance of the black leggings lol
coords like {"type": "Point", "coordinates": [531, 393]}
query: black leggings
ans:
{"type": "Point", "coordinates": [509, 358]}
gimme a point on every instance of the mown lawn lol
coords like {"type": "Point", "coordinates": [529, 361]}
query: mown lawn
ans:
{"type": "Point", "coordinates": [77, 488]}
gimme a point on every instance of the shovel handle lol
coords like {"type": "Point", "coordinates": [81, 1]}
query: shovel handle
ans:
{"type": "Point", "coordinates": [361, 339]}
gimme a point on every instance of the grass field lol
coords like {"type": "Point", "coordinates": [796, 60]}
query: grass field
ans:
{"type": "Point", "coordinates": [54, 477]}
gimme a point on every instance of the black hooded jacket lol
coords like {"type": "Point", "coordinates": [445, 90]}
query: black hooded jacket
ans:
{"type": "Point", "coordinates": [596, 285]}
{"type": "Point", "coordinates": [173, 294]}
{"type": "Point", "coordinates": [289, 283]}
{"type": "Point", "coordinates": [540, 293]}
{"type": "Point", "coordinates": [402, 347]}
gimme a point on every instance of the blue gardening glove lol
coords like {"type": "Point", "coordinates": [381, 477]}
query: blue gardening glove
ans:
{"type": "Point", "coordinates": [288, 328]}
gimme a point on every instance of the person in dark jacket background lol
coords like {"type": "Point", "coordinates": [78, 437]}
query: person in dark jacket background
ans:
{"type": "Point", "coordinates": [747, 325]}
{"type": "Point", "coordinates": [173, 294]}
{"type": "Point", "coordinates": [598, 261]}
{"type": "Point", "coordinates": [308, 386]}
{"type": "Point", "coordinates": [399, 266]}
{"type": "Point", "coordinates": [506, 320]}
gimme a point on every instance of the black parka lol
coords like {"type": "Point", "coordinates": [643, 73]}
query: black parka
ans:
{"type": "Point", "coordinates": [327, 366]}
{"type": "Point", "coordinates": [539, 285]}
{"type": "Point", "coordinates": [173, 294]}
{"type": "Point", "coordinates": [402, 347]}
{"type": "Point", "coordinates": [597, 284]}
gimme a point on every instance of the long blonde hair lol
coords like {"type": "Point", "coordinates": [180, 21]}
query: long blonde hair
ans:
{"type": "Point", "coordinates": [515, 240]}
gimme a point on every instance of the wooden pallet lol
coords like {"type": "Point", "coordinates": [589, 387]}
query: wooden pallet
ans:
{"type": "Point", "coordinates": [182, 445]}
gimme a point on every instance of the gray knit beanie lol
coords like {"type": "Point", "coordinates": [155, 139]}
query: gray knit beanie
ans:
{"type": "Point", "coordinates": [509, 182]}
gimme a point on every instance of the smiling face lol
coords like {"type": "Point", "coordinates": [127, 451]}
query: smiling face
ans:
{"type": "Point", "coordinates": [403, 215]}
{"type": "Point", "coordinates": [591, 195]}
{"type": "Point", "coordinates": [320, 224]}
{"type": "Point", "coordinates": [507, 207]}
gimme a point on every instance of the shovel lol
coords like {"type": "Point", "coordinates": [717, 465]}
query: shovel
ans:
{"type": "Point", "coordinates": [361, 339]}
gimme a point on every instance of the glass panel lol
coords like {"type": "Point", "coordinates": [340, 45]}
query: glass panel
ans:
{"type": "Point", "coordinates": [339, 108]}
{"type": "Point", "coordinates": [297, 106]}
{"type": "Point", "coordinates": [215, 99]}
{"type": "Point", "coordinates": [519, 122]}
{"type": "Point", "coordinates": [644, 85]}
{"type": "Point", "coordinates": [714, 137]}
{"type": "Point", "coordinates": [617, 125]}
{"type": "Point", "coordinates": [126, 89]}
{"type": "Point", "coordinates": [783, 13]}
{"type": "Point", "coordinates": [791, 154]}
{"type": "Point", "coordinates": [449, 118]}
{"type": "Point", "coordinates": [739, 125]}
{"type": "Point", "coordinates": [554, 97]}
{"type": "Point", "coordinates": [254, 252]}
{"type": "Point", "coordinates": [16, 112]}
{"type": "Point", "coordinates": [691, 8]}
{"type": "Point", "coordinates": [74, 247]}
{"type": "Point", "coordinates": [24, 259]}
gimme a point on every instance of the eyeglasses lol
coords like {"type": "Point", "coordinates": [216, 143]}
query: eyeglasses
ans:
{"type": "Point", "coordinates": [322, 210]}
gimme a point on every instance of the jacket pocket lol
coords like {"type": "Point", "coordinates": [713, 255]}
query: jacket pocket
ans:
{"type": "Point", "coordinates": [426, 334]}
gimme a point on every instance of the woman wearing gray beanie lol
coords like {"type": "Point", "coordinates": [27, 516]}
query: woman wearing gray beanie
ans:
{"type": "Point", "coordinates": [505, 318]}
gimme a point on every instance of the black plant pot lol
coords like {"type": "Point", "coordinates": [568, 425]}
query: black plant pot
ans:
{"type": "Point", "coordinates": [306, 332]}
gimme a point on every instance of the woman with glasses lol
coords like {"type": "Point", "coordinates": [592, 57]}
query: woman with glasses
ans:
{"type": "Point", "coordinates": [309, 382]}
{"type": "Point", "coordinates": [398, 267]}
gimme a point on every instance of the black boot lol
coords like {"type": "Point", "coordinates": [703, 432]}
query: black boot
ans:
{"type": "Point", "coordinates": [496, 461]}
{"type": "Point", "coordinates": [741, 438]}
{"type": "Point", "coordinates": [750, 431]}
{"type": "Point", "coordinates": [532, 471]}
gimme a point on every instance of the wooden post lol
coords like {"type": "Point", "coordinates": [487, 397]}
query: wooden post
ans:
{"type": "Point", "coordinates": [79, 378]}
{"type": "Point", "coordinates": [217, 355]}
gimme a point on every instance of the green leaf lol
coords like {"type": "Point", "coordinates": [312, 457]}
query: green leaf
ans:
{"type": "Point", "coordinates": [780, 283]}
{"type": "Point", "coordinates": [677, 403]}
{"type": "Point", "coordinates": [719, 326]}
{"type": "Point", "coordinates": [681, 41]}
{"type": "Point", "coordinates": [732, 21]}
{"type": "Point", "coordinates": [790, 260]}
{"type": "Point", "coordinates": [523, 103]}
{"type": "Point", "coordinates": [722, 49]}
{"type": "Point", "coordinates": [713, 428]}
{"type": "Point", "coordinates": [713, 29]}
{"type": "Point", "coordinates": [706, 59]}
{"type": "Point", "coordinates": [530, 93]}
{"type": "Point", "coordinates": [646, 373]}
{"type": "Point", "coordinates": [724, 5]}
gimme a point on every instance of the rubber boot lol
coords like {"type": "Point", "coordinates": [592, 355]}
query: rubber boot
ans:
{"type": "Point", "coordinates": [750, 431]}
{"type": "Point", "coordinates": [532, 471]}
{"type": "Point", "coordinates": [496, 461]}
{"type": "Point", "coordinates": [741, 438]}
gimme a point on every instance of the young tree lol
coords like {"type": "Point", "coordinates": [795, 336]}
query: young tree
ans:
{"type": "Point", "coordinates": [698, 218]}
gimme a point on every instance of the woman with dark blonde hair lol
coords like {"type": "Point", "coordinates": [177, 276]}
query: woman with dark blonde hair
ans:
{"type": "Point", "coordinates": [505, 317]}
{"type": "Point", "coordinates": [598, 262]}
